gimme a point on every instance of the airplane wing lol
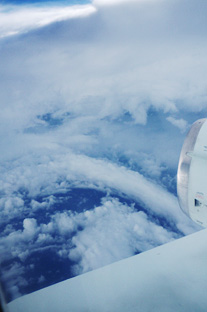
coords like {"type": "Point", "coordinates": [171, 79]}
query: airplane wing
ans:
{"type": "Point", "coordinates": [172, 277]}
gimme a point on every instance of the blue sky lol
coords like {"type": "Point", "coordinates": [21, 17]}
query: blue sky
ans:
{"type": "Point", "coordinates": [97, 97]}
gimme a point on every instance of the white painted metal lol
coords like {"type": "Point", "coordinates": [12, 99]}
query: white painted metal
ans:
{"type": "Point", "coordinates": [192, 173]}
{"type": "Point", "coordinates": [169, 278]}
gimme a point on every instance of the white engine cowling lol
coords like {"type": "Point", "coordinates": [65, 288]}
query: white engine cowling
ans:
{"type": "Point", "coordinates": [192, 173]}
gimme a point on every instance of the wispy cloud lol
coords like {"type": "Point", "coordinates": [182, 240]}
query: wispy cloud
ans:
{"type": "Point", "coordinates": [180, 123]}
{"type": "Point", "coordinates": [16, 20]}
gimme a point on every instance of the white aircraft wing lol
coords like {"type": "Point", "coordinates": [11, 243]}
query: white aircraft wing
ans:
{"type": "Point", "coordinates": [172, 277]}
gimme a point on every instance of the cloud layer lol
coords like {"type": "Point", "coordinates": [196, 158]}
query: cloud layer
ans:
{"type": "Point", "coordinates": [102, 102]}
{"type": "Point", "coordinates": [16, 20]}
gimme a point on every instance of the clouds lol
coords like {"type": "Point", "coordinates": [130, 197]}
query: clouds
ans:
{"type": "Point", "coordinates": [90, 239]}
{"type": "Point", "coordinates": [118, 65]}
{"type": "Point", "coordinates": [126, 66]}
{"type": "Point", "coordinates": [180, 123]}
{"type": "Point", "coordinates": [61, 173]}
{"type": "Point", "coordinates": [102, 102]}
{"type": "Point", "coordinates": [16, 20]}
{"type": "Point", "coordinates": [119, 232]}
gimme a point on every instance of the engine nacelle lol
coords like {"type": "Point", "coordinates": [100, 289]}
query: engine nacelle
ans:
{"type": "Point", "coordinates": [192, 173]}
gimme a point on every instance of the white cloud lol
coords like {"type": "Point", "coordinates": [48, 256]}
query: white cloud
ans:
{"type": "Point", "coordinates": [112, 232]}
{"type": "Point", "coordinates": [80, 170]}
{"type": "Point", "coordinates": [65, 223]}
{"type": "Point", "coordinates": [41, 279]}
{"type": "Point", "coordinates": [179, 123]}
{"type": "Point", "coordinates": [13, 279]}
{"type": "Point", "coordinates": [15, 20]}
{"type": "Point", "coordinates": [30, 227]}
{"type": "Point", "coordinates": [122, 70]}
{"type": "Point", "coordinates": [114, 2]}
